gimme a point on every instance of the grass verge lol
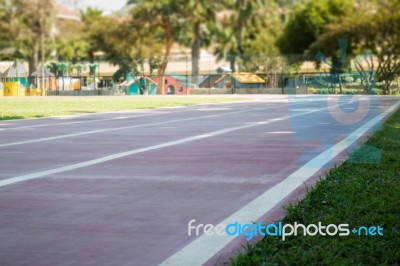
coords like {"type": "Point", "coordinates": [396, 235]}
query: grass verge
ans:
{"type": "Point", "coordinates": [355, 193]}
{"type": "Point", "coordinates": [28, 107]}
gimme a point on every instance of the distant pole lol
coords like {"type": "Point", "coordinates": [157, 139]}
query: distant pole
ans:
{"type": "Point", "coordinates": [79, 67]}
{"type": "Point", "coordinates": [93, 68]}
{"type": "Point", "coordinates": [97, 55]}
{"type": "Point", "coordinates": [98, 73]}
{"type": "Point", "coordinates": [94, 77]}
{"type": "Point", "coordinates": [63, 80]}
{"type": "Point", "coordinates": [187, 74]}
{"type": "Point", "coordinates": [62, 67]}
{"type": "Point", "coordinates": [42, 58]}
{"type": "Point", "coordinates": [282, 80]}
{"type": "Point", "coordinates": [49, 77]}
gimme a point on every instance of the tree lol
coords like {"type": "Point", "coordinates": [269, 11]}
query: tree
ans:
{"type": "Point", "coordinates": [385, 43]}
{"type": "Point", "coordinates": [309, 21]}
{"type": "Point", "coordinates": [226, 42]}
{"type": "Point", "coordinates": [247, 33]}
{"type": "Point", "coordinates": [201, 14]}
{"type": "Point", "coordinates": [38, 16]}
{"type": "Point", "coordinates": [240, 33]}
{"type": "Point", "coordinates": [26, 26]}
{"type": "Point", "coordinates": [9, 29]}
{"type": "Point", "coordinates": [260, 52]}
{"type": "Point", "coordinates": [127, 43]}
{"type": "Point", "coordinates": [164, 17]}
{"type": "Point", "coordinates": [94, 24]}
{"type": "Point", "coordinates": [373, 34]}
{"type": "Point", "coordinates": [243, 11]}
{"type": "Point", "coordinates": [72, 44]}
{"type": "Point", "coordinates": [306, 24]}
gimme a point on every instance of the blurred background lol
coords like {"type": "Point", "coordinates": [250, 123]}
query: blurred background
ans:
{"type": "Point", "coordinates": [200, 47]}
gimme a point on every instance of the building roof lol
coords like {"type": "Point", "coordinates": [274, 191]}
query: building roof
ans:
{"type": "Point", "coordinates": [210, 80]}
{"type": "Point", "coordinates": [38, 72]}
{"type": "Point", "coordinates": [64, 12]}
{"type": "Point", "coordinates": [182, 80]}
{"type": "Point", "coordinates": [223, 69]}
{"type": "Point", "coordinates": [17, 70]}
{"type": "Point", "coordinates": [176, 76]}
{"type": "Point", "coordinates": [129, 83]}
{"type": "Point", "coordinates": [244, 78]}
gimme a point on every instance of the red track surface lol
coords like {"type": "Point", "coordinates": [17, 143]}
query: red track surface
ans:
{"type": "Point", "coordinates": [134, 210]}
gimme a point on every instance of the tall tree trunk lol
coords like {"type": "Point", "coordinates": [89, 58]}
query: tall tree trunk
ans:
{"type": "Point", "coordinates": [340, 84]}
{"type": "Point", "coordinates": [164, 64]}
{"type": "Point", "coordinates": [42, 58]}
{"type": "Point", "coordinates": [232, 62]}
{"type": "Point", "coordinates": [239, 40]}
{"type": "Point", "coordinates": [386, 90]}
{"type": "Point", "coordinates": [33, 59]}
{"type": "Point", "coordinates": [161, 77]}
{"type": "Point", "coordinates": [196, 53]}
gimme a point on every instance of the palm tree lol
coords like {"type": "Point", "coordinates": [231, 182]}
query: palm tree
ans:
{"type": "Point", "coordinates": [38, 17]}
{"type": "Point", "coordinates": [232, 34]}
{"type": "Point", "coordinates": [227, 46]}
{"type": "Point", "coordinates": [92, 19]}
{"type": "Point", "coordinates": [200, 13]}
{"type": "Point", "coordinates": [62, 67]}
{"type": "Point", "coordinates": [165, 15]}
{"type": "Point", "coordinates": [9, 29]}
{"type": "Point", "coordinates": [79, 69]}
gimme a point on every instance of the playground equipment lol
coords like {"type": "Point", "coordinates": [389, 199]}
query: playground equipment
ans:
{"type": "Point", "coordinates": [15, 79]}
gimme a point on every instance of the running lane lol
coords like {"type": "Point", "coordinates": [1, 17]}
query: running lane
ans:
{"type": "Point", "coordinates": [120, 188]}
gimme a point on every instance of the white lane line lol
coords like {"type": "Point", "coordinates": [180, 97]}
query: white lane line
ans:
{"type": "Point", "coordinates": [118, 111]}
{"type": "Point", "coordinates": [77, 122]}
{"type": "Point", "coordinates": [205, 247]}
{"type": "Point", "coordinates": [89, 121]}
{"type": "Point", "coordinates": [126, 127]}
{"type": "Point", "coordinates": [99, 131]}
{"type": "Point", "coordinates": [13, 180]}
{"type": "Point", "coordinates": [153, 113]}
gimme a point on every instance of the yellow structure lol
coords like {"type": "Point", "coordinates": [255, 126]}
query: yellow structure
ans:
{"type": "Point", "coordinates": [247, 78]}
{"type": "Point", "coordinates": [13, 89]}
{"type": "Point", "coordinates": [33, 92]}
{"type": "Point", "coordinates": [77, 85]}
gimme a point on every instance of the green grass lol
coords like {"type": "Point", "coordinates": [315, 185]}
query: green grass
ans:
{"type": "Point", "coordinates": [354, 193]}
{"type": "Point", "coordinates": [27, 107]}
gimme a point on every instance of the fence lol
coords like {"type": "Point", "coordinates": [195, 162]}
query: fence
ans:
{"type": "Point", "coordinates": [227, 83]}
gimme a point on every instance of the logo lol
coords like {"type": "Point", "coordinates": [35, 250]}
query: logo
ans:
{"type": "Point", "coordinates": [281, 230]}
{"type": "Point", "coordinates": [345, 112]}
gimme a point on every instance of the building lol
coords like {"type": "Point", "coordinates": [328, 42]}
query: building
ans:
{"type": "Point", "coordinates": [132, 86]}
{"type": "Point", "coordinates": [240, 81]}
{"type": "Point", "coordinates": [210, 81]}
{"type": "Point", "coordinates": [176, 84]}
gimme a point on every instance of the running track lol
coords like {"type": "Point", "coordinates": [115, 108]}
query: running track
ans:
{"type": "Point", "coordinates": [120, 188]}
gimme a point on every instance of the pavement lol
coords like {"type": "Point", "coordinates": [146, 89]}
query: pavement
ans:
{"type": "Point", "coordinates": [120, 188]}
